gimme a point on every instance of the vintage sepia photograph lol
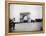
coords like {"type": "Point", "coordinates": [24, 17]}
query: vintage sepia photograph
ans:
{"type": "Point", "coordinates": [25, 18]}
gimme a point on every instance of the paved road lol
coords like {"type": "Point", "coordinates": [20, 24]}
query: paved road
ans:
{"type": "Point", "coordinates": [28, 26]}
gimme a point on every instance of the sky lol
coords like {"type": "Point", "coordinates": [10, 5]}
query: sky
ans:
{"type": "Point", "coordinates": [34, 10]}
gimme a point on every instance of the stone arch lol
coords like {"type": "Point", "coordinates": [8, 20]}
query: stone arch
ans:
{"type": "Point", "coordinates": [24, 17]}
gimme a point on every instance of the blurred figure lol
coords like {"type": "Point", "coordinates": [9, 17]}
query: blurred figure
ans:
{"type": "Point", "coordinates": [11, 25]}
